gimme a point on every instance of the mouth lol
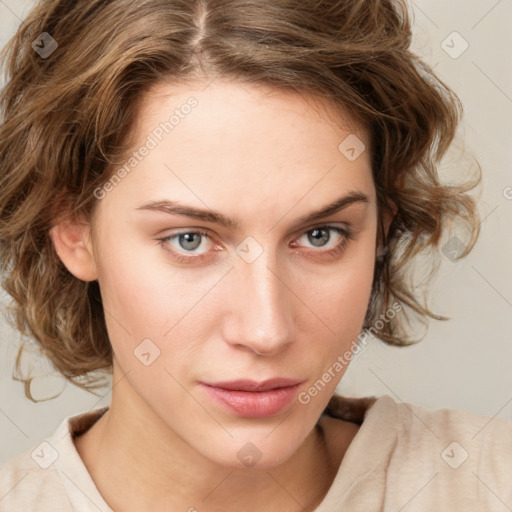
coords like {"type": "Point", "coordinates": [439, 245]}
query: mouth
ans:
{"type": "Point", "coordinates": [252, 399]}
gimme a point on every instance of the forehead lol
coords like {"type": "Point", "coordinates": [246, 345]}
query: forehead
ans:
{"type": "Point", "coordinates": [244, 148]}
{"type": "Point", "coordinates": [231, 100]}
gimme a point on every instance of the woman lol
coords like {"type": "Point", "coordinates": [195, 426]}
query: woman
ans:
{"type": "Point", "coordinates": [212, 199]}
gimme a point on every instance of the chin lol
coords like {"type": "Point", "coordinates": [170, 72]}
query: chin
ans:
{"type": "Point", "coordinates": [258, 450]}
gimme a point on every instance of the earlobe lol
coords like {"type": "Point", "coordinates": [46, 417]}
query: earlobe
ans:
{"type": "Point", "coordinates": [72, 244]}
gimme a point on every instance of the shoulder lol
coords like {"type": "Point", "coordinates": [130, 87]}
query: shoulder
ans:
{"type": "Point", "coordinates": [478, 434]}
{"type": "Point", "coordinates": [50, 476]}
{"type": "Point", "coordinates": [26, 482]}
{"type": "Point", "coordinates": [424, 425]}
{"type": "Point", "coordinates": [465, 458]}
{"type": "Point", "coordinates": [442, 459]}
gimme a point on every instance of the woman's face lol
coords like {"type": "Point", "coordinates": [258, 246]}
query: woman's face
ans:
{"type": "Point", "coordinates": [214, 268]}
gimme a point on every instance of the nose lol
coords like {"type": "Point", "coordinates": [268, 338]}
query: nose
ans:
{"type": "Point", "coordinates": [260, 316]}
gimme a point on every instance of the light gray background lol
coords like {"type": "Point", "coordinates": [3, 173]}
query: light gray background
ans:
{"type": "Point", "coordinates": [464, 363]}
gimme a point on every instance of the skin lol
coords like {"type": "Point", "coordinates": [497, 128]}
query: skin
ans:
{"type": "Point", "coordinates": [264, 158]}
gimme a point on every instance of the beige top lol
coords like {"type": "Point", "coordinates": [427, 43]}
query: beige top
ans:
{"type": "Point", "coordinates": [403, 458]}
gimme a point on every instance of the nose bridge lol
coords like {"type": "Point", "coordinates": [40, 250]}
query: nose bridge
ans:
{"type": "Point", "coordinates": [261, 306]}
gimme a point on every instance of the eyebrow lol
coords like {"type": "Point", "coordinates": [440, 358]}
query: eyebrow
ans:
{"type": "Point", "coordinates": [177, 208]}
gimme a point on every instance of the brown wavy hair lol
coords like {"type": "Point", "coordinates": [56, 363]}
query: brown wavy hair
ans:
{"type": "Point", "coordinates": [68, 117]}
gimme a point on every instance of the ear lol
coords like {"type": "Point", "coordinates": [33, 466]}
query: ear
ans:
{"type": "Point", "coordinates": [389, 215]}
{"type": "Point", "coordinates": [72, 243]}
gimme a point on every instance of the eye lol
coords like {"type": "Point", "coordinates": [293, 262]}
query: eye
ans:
{"type": "Point", "coordinates": [187, 242]}
{"type": "Point", "coordinates": [186, 246]}
{"type": "Point", "coordinates": [320, 236]}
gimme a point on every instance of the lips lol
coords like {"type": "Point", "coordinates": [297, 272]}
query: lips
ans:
{"type": "Point", "coordinates": [250, 385]}
{"type": "Point", "coordinates": [252, 399]}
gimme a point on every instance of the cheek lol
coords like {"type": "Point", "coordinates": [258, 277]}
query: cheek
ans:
{"type": "Point", "coordinates": [341, 302]}
{"type": "Point", "coordinates": [143, 308]}
{"type": "Point", "coordinates": [144, 297]}
{"type": "Point", "coordinates": [140, 288]}
{"type": "Point", "coordinates": [342, 295]}
{"type": "Point", "coordinates": [132, 293]}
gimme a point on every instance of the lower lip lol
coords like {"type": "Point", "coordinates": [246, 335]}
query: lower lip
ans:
{"type": "Point", "coordinates": [254, 404]}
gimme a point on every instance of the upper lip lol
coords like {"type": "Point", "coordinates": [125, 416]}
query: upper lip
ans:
{"type": "Point", "coordinates": [251, 385]}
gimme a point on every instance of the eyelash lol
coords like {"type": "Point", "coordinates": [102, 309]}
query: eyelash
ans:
{"type": "Point", "coordinates": [346, 232]}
